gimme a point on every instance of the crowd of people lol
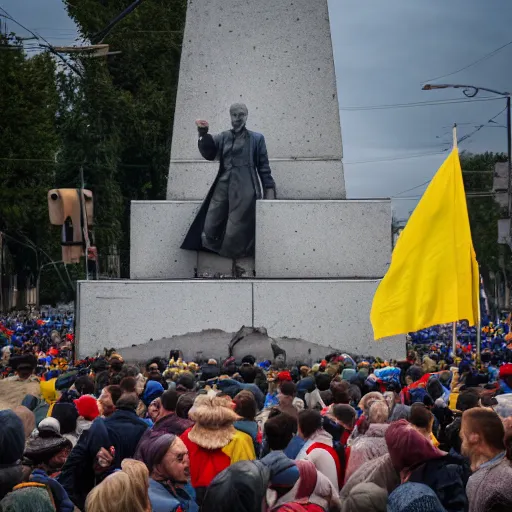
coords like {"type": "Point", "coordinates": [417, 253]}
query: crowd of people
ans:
{"type": "Point", "coordinates": [432, 432]}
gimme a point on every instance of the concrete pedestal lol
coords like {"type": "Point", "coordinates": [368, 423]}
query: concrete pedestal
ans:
{"type": "Point", "coordinates": [322, 315]}
{"type": "Point", "coordinates": [294, 239]}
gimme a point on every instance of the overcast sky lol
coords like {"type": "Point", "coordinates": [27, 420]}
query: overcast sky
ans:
{"type": "Point", "coordinates": [384, 51]}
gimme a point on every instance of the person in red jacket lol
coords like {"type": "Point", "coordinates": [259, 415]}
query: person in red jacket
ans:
{"type": "Point", "coordinates": [213, 442]}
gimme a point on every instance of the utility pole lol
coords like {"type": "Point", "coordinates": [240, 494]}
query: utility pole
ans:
{"type": "Point", "coordinates": [84, 222]}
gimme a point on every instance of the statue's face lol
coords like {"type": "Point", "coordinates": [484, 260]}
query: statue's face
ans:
{"type": "Point", "coordinates": [238, 118]}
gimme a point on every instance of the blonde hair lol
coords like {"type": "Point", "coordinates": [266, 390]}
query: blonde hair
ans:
{"type": "Point", "coordinates": [119, 492]}
{"type": "Point", "coordinates": [379, 412]}
{"type": "Point", "coordinates": [139, 476]}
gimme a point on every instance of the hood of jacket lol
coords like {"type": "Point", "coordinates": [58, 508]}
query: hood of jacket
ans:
{"type": "Point", "coordinates": [377, 430]}
{"type": "Point", "coordinates": [248, 427]}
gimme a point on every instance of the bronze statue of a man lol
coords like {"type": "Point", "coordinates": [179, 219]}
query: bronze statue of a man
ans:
{"type": "Point", "coordinates": [225, 223]}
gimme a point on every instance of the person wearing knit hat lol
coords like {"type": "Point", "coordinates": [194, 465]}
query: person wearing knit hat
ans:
{"type": "Point", "coordinates": [87, 407]}
{"type": "Point", "coordinates": [411, 497]}
{"type": "Point", "coordinates": [367, 497]}
{"type": "Point", "coordinates": [34, 498]}
{"type": "Point", "coordinates": [153, 390]}
{"type": "Point", "coordinates": [88, 411]}
{"type": "Point", "coordinates": [12, 444]}
{"type": "Point", "coordinates": [505, 378]}
{"type": "Point", "coordinates": [47, 449]}
{"type": "Point", "coordinates": [213, 442]}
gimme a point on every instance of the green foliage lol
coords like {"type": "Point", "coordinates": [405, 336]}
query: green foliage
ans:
{"type": "Point", "coordinates": [117, 119]}
{"type": "Point", "coordinates": [484, 212]}
{"type": "Point", "coordinates": [28, 145]}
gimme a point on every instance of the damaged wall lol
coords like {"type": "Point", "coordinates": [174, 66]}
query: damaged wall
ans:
{"type": "Point", "coordinates": [202, 315]}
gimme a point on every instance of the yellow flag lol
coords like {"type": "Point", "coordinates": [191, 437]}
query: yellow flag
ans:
{"type": "Point", "coordinates": [433, 277]}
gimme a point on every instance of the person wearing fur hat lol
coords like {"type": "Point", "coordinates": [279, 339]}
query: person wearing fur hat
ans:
{"type": "Point", "coordinates": [213, 442]}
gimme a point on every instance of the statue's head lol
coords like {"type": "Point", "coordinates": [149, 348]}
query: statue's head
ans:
{"type": "Point", "coordinates": [239, 114]}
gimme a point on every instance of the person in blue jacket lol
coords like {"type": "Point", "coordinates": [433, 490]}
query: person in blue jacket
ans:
{"type": "Point", "coordinates": [169, 470]}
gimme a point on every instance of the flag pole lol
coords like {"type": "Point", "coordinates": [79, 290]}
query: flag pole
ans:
{"type": "Point", "coordinates": [479, 320]}
{"type": "Point", "coordinates": [454, 325]}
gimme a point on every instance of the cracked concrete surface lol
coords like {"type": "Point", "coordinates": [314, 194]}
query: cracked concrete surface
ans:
{"type": "Point", "coordinates": [215, 343]}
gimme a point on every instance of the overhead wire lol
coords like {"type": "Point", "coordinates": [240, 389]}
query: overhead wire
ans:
{"type": "Point", "coordinates": [417, 104]}
{"type": "Point", "coordinates": [48, 46]}
{"type": "Point", "coordinates": [486, 56]}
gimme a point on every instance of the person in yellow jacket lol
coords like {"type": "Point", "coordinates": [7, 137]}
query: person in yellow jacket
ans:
{"type": "Point", "coordinates": [213, 442]}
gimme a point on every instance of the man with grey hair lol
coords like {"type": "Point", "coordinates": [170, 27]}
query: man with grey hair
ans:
{"type": "Point", "coordinates": [225, 223]}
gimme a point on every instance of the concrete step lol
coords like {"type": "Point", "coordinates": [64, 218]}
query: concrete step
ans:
{"type": "Point", "coordinates": [330, 314]}
{"type": "Point", "coordinates": [323, 239]}
{"type": "Point", "coordinates": [294, 239]}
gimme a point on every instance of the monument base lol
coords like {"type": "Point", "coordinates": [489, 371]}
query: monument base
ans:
{"type": "Point", "coordinates": [315, 316]}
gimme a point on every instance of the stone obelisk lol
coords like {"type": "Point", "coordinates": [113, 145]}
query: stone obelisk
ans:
{"type": "Point", "coordinates": [318, 256]}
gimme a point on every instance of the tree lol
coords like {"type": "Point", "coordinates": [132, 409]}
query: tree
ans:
{"type": "Point", "coordinates": [28, 145]}
{"type": "Point", "coordinates": [484, 212]}
{"type": "Point", "coordinates": [116, 120]}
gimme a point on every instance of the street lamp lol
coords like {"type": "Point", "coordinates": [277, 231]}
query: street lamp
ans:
{"type": "Point", "coordinates": [471, 91]}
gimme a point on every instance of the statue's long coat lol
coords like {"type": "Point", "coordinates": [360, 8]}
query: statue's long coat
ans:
{"type": "Point", "coordinates": [258, 168]}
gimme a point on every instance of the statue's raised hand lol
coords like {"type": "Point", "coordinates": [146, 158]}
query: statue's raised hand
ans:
{"type": "Point", "coordinates": [202, 127]}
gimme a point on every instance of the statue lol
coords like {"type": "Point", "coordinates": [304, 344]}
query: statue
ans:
{"type": "Point", "coordinates": [225, 224]}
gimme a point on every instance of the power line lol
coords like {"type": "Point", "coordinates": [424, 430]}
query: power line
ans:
{"type": "Point", "coordinates": [48, 46]}
{"type": "Point", "coordinates": [413, 188]}
{"type": "Point", "coordinates": [417, 104]}
{"type": "Point", "coordinates": [391, 159]}
{"type": "Point", "coordinates": [478, 128]}
{"type": "Point", "coordinates": [488, 55]}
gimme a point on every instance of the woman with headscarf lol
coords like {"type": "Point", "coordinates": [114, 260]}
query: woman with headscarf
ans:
{"type": "Point", "coordinates": [168, 463]}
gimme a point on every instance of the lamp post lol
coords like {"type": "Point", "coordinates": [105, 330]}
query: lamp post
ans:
{"type": "Point", "coordinates": [471, 91]}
